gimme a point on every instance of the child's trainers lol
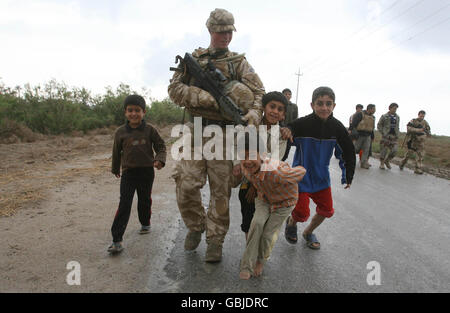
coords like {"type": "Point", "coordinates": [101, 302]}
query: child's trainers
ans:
{"type": "Point", "coordinates": [144, 230]}
{"type": "Point", "coordinates": [115, 247]}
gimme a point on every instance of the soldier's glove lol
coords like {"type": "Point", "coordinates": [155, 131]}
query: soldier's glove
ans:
{"type": "Point", "coordinates": [252, 117]}
{"type": "Point", "coordinates": [198, 98]}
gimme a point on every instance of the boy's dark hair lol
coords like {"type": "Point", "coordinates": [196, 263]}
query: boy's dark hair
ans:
{"type": "Point", "coordinates": [134, 100]}
{"type": "Point", "coordinates": [370, 106]}
{"type": "Point", "coordinates": [323, 91]}
{"type": "Point", "coordinates": [393, 104]}
{"type": "Point", "coordinates": [422, 112]}
{"type": "Point", "coordinates": [275, 96]}
{"type": "Point", "coordinates": [286, 90]}
{"type": "Point", "coordinates": [359, 106]}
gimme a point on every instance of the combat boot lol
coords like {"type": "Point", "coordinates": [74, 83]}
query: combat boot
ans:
{"type": "Point", "coordinates": [382, 164]}
{"type": "Point", "coordinates": [402, 165]}
{"type": "Point", "coordinates": [418, 171]}
{"type": "Point", "coordinates": [192, 240]}
{"type": "Point", "coordinates": [213, 252]}
{"type": "Point", "coordinates": [388, 165]}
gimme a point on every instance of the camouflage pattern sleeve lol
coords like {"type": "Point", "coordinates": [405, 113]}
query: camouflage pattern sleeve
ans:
{"type": "Point", "coordinates": [248, 76]}
{"type": "Point", "coordinates": [415, 127]}
{"type": "Point", "coordinates": [410, 127]}
{"type": "Point", "coordinates": [189, 96]}
{"type": "Point", "coordinates": [178, 89]}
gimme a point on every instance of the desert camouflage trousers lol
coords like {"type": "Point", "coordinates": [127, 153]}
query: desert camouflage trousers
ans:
{"type": "Point", "coordinates": [190, 177]}
{"type": "Point", "coordinates": [388, 147]}
{"type": "Point", "coordinates": [417, 148]}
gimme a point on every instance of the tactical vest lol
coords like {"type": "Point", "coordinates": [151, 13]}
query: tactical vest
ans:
{"type": "Point", "coordinates": [367, 123]}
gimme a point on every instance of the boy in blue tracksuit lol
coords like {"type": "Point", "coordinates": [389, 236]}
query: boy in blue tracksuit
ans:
{"type": "Point", "coordinates": [316, 136]}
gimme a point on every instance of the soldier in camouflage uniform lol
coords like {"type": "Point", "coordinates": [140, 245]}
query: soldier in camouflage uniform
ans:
{"type": "Point", "coordinates": [291, 115]}
{"type": "Point", "coordinates": [364, 123]}
{"type": "Point", "coordinates": [417, 128]}
{"type": "Point", "coordinates": [388, 126]}
{"type": "Point", "coordinates": [246, 89]}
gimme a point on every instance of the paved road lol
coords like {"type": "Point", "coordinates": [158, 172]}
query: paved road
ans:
{"type": "Point", "coordinates": [396, 218]}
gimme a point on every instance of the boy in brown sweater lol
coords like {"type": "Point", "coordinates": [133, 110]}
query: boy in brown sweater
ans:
{"type": "Point", "coordinates": [133, 148]}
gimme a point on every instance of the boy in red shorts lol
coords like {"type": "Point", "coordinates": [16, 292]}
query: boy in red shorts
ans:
{"type": "Point", "coordinates": [316, 136]}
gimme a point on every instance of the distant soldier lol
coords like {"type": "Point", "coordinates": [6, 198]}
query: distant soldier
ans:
{"type": "Point", "coordinates": [352, 131]}
{"type": "Point", "coordinates": [388, 126]}
{"type": "Point", "coordinates": [292, 109]}
{"type": "Point", "coordinates": [364, 123]}
{"type": "Point", "coordinates": [291, 115]}
{"type": "Point", "coordinates": [358, 108]}
{"type": "Point", "coordinates": [417, 128]}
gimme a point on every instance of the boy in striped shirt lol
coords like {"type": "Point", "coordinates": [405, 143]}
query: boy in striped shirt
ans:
{"type": "Point", "coordinates": [277, 186]}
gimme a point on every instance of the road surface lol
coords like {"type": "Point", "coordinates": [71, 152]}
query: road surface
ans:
{"type": "Point", "coordinates": [390, 233]}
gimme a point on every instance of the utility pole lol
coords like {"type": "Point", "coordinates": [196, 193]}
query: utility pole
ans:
{"type": "Point", "coordinates": [298, 80]}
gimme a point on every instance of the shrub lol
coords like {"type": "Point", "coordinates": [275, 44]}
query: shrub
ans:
{"type": "Point", "coordinates": [164, 112]}
{"type": "Point", "coordinates": [10, 128]}
{"type": "Point", "coordinates": [54, 108]}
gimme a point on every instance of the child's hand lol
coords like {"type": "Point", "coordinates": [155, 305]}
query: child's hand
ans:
{"type": "Point", "coordinates": [286, 134]}
{"type": "Point", "coordinates": [252, 118]}
{"type": "Point", "coordinates": [347, 187]}
{"type": "Point", "coordinates": [158, 165]}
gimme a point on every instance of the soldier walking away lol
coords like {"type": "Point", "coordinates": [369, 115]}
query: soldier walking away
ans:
{"type": "Point", "coordinates": [388, 126]}
{"type": "Point", "coordinates": [291, 115]}
{"type": "Point", "coordinates": [292, 109]}
{"type": "Point", "coordinates": [417, 130]}
{"type": "Point", "coordinates": [364, 123]}
{"type": "Point", "coordinates": [354, 133]}
{"type": "Point", "coordinates": [358, 108]}
{"type": "Point", "coordinates": [245, 88]}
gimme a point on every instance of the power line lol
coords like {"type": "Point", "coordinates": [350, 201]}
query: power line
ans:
{"type": "Point", "coordinates": [428, 29]}
{"type": "Point", "coordinates": [349, 61]}
{"type": "Point", "coordinates": [394, 45]}
{"type": "Point", "coordinates": [423, 19]}
{"type": "Point", "coordinates": [308, 65]}
{"type": "Point", "coordinates": [396, 17]}
{"type": "Point", "coordinates": [377, 29]}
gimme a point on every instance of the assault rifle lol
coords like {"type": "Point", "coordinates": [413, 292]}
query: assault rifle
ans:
{"type": "Point", "coordinates": [211, 80]}
{"type": "Point", "coordinates": [411, 136]}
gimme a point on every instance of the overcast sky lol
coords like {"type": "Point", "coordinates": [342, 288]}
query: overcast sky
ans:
{"type": "Point", "coordinates": [367, 51]}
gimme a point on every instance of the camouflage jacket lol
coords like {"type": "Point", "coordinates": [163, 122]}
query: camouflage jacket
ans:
{"type": "Point", "coordinates": [384, 125]}
{"type": "Point", "coordinates": [234, 67]}
{"type": "Point", "coordinates": [418, 128]}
